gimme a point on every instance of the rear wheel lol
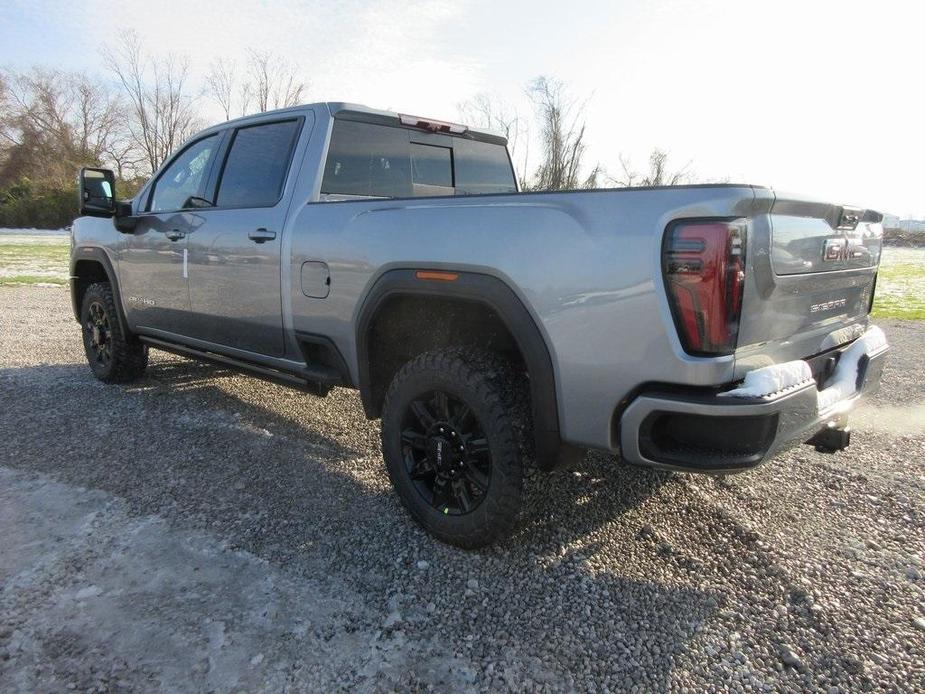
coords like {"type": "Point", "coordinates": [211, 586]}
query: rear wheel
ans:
{"type": "Point", "coordinates": [113, 356]}
{"type": "Point", "coordinates": [453, 429]}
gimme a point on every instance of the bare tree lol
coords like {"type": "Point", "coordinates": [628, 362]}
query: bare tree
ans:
{"type": "Point", "coordinates": [54, 122]}
{"type": "Point", "coordinates": [245, 94]}
{"type": "Point", "coordinates": [659, 173]}
{"type": "Point", "coordinates": [562, 137]}
{"type": "Point", "coordinates": [220, 83]}
{"type": "Point", "coordinates": [274, 80]}
{"type": "Point", "coordinates": [162, 109]}
{"type": "Point", "coordinates": [561, 125]}
{"type": "Point", "coordinates": [4, 91]}
{"type": "Point", "coordinates": [128, 161]}
{"type": "Point", "coordinates": [270, 82]}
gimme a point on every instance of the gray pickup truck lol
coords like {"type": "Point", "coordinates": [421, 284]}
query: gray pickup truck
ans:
{"type": "Point", "coordinates": [698, 328]}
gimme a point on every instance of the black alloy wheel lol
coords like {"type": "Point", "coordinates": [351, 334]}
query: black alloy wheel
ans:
{"type": "Point", "coordinates": [114, 355]}
{"type": "Point", "coordinates": [98, 334]}
{"type": "Point", "coordinates": [446, 453]}
{"type": "Point", "coordinates": [455, 438]}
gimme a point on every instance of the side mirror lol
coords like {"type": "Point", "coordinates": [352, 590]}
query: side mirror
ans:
{"type": "Point", "coordinates": [96, 192]}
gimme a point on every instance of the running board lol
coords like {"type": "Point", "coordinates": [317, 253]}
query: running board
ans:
{"type": "Point", "coordinates": [317, 380]}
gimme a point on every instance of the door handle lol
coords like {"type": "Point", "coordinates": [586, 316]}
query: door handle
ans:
{"type": "Point", "coordinates": [261, 235]}
{"type": "Point", "coordinates": [175, 234]}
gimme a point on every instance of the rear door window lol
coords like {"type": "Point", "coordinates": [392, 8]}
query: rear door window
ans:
{"type": "Point", "coordinates": [256, 166]}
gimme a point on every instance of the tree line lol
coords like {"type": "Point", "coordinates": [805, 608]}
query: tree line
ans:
{"type": "Point", "coordinates": [52, 122]}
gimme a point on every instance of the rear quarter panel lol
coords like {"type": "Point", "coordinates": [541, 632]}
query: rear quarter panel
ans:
{"type": "Point", "coordinates": [586, 265]}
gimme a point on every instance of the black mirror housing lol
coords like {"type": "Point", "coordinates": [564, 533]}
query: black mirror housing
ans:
{"type": "Point", "coordinates": [124, 221]}
{"type": "Point", "coordinates": [125, 225]}
{"type": "Point", "coordinates": [194, 202]}
{"type": "Point", "coordinates": [96, 192]}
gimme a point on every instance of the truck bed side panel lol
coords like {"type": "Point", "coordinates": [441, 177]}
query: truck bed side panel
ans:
{"type": "Point", "coordinates": [586, 265]}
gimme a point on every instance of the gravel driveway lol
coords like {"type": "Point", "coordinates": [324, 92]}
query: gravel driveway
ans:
{"type": "Point", "coordinates": [200, 530]}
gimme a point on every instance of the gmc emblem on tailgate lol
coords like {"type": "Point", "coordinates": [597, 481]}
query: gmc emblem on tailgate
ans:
{"type": "Point", "coordinates": [834, 250]}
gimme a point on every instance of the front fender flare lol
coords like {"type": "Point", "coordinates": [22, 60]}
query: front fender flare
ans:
{"type": "Point", "coordinates": [97, 255]}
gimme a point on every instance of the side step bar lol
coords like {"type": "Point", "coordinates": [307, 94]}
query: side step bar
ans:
{"type": "Point", "coordinates": [317, 380]}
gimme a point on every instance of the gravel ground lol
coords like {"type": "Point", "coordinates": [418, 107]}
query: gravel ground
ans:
{"type": "Point", "coordinates": [200, 530]}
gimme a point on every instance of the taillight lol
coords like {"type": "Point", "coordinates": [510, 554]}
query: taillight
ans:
{"type": "Point", "coordinates": [704, 266]}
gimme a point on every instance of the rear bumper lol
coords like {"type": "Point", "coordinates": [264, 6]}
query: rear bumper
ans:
{"type": "Point", "coordinates": [714, 433]}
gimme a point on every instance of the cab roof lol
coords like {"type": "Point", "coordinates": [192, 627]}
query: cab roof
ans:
{"type": "Point", "coordinates": [357, 112]}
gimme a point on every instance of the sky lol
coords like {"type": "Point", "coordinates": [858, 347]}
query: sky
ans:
{"type": "Point", "coordinates": [815, 97]}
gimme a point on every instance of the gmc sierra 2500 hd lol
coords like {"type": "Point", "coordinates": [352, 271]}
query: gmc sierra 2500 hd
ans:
{"type": "Point", "coordinates": [699, 328]}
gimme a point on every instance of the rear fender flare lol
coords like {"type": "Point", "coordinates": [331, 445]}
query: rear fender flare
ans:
{"type": "Point", "coordinates": [497, 295]}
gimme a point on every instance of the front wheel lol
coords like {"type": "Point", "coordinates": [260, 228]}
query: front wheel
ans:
{"type": "Point", "coordinates": [454, 424]}
{"type": "Point", "coordinates": [113, 356]}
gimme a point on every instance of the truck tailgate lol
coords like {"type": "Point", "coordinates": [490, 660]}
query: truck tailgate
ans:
{"type": "Point", "coordinates": [811, 273]}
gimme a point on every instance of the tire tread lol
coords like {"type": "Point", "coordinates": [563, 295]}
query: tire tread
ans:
{"type": "Point", "coordinates": [129, 355]}
{"type": "Point", "coordinates": [504, 413]}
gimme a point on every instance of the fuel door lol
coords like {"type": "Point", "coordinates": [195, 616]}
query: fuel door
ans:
{"type": "Point", "coordinates": [316, 279]}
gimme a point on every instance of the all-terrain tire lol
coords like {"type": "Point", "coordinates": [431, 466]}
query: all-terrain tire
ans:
{"type": "Point", "coordinates": [114, 357]}
{"type": "Point", "coordinates": [495, 396]}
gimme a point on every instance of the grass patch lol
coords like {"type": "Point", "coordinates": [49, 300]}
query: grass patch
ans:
{"type": "Point", "coordinates": [19, 280]}
{"type": "Point", "coordinates": [28, 260]}
{"type": "Point", "coordinates": [900, 292]}
{"type": "Point", "coordinates": [34, 251]}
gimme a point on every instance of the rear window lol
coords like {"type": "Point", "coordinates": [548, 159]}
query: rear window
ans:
{"type": "Point", "coordinates": [370, 160]}
{"type": "Point", "coordinates": [482, 168]}
{"type": "Point", "coordinates": [431, 166]}
{"type": "Point", "coordinates": [256, 166]}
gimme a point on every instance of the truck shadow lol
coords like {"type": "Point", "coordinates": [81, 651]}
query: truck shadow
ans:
{"type": "Point", "coordinates": [299, 483]}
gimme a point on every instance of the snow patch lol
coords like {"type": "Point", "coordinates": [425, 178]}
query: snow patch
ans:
{"type": "Point", "coordinates": [33, 232]}
{"type": "Point", "coordinates": [843, 382]}
{"type": "Point", "coordinates": [777, 378]}
{"type": "Point", "coordinates": [769, 380]}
